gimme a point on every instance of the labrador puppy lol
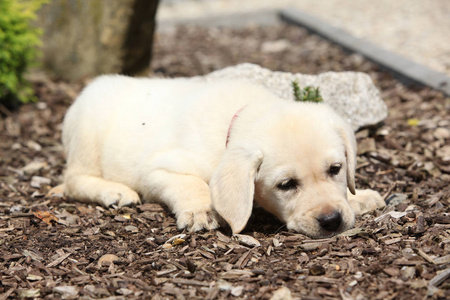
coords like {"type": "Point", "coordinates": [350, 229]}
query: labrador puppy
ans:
{"type": "Point", "coordinates": [207, 150]}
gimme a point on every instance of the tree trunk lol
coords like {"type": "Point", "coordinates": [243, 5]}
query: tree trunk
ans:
{"type": "Point", "coordinates": [85, 38]}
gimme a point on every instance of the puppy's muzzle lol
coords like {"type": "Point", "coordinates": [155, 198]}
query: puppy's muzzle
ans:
{"type": "Point", "coordinates": [330, 221]}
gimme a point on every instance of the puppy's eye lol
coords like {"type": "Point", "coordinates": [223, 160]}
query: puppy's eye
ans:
{"type": "Point", "coordinates": [335, 169]}
{"type": "Point", "coordinates": [288, 184]}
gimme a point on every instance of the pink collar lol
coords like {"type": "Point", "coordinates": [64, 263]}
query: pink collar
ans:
{"type": "Point", "coordinates": [231, 124]}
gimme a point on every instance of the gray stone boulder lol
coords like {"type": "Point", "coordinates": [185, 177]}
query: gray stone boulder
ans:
{"type": "Point", "coordinates": [352, 94]}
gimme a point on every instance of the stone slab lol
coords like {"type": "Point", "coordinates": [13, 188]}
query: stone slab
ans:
{"type": "Point", "coordinates": [352, 94]}
{"type": "Point", "coordinates": [387, 59]}
{"type": "Point", "coordinates": [259, 18]}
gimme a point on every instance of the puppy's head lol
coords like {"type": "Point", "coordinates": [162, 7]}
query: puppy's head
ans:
{"type": "Point", "coordinates": [296, 161]}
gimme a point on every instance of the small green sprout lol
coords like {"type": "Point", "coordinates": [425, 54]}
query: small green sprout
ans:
{"type": "Point", "coordinates": [308, 94]}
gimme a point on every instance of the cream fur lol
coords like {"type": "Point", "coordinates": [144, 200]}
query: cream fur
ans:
{"type": "Point", "coordinates": [163, 140]}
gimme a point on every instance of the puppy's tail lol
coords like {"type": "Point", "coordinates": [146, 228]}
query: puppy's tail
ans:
{"type": "Point", "coordinates": [57, 191]}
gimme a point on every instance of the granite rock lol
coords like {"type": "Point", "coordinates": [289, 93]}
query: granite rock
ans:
{"type": "Point", "coordinates": [352, 94]}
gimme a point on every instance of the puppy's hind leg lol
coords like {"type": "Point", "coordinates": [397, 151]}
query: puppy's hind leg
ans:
{"type": "Point", "coordinates": [365, 200]}
{"type": "Point", "coordinates": [88, 188]}
{"type": "Point", "coordinates": [83, 179]}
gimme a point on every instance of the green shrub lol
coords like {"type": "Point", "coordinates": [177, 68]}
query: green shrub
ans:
{"type": "Point", "coordinates": [308, 94]}
{"type": "Point", "coordinates": [19, 42]}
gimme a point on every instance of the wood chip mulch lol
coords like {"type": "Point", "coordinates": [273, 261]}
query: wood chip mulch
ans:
{"type": "Point", "coordinates": [52, 248]}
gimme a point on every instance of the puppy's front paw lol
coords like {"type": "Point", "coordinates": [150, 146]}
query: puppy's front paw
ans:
{"type": "Point", "coordinates": [365, 201]}
{"type": "Point", "coordinates": [57, 191]}
{"type": "Point", "coordinates": [198, 219]}
{"type": "Point", "coordinates": [119, 198]}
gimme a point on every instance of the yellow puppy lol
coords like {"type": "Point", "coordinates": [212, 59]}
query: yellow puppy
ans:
{"type": "Point", "coordinates": [202, 148]}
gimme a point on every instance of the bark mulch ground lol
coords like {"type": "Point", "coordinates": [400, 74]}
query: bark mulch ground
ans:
{"type": "Point", "coordinates": [53, 248]}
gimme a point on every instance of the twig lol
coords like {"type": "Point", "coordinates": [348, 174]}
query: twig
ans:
{"type": "Point", "coordinates": [5, 111]}
{"type": "Point", "coordinates": [21, 215]}
{"type": "Point", "coordinates": [424, 255]}
{"type": "Point", "coordinates": [389, 191]}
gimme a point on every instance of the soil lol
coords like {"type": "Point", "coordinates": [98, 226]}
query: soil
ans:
{"type": "Point", "coordinates": [54, 248]}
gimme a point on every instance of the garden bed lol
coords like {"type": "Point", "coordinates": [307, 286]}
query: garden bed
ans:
{"type": "Point", "coordinates": [53, 248]}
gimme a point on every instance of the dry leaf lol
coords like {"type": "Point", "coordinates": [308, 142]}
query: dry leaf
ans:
{"type": "Point", "coordinates": [246, 240]}
{"type": "Point", "coordinates": [107, 260]}
{"type": "Point", "coordinates": [178, 241]}
{"type": "Point", "coordinates": [45, 216]}
{"type": "Point", "coordinates": [282, 293]}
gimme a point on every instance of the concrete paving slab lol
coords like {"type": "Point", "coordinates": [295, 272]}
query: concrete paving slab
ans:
{"type": "Point", "coordinates": [399, 64]}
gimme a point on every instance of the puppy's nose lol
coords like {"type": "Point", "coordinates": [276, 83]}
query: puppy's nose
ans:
{"type": "Point", "coordinates": [331, 221]}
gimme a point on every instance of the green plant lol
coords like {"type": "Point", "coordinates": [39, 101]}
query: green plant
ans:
{"type": "Point", "coordinates": [19, 42]}
{"type": "Point", "coordinates": [307, 94]}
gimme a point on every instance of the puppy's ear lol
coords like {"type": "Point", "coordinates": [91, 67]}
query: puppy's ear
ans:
{"type": "Point", "coordinates": [233, 186]}
{"type": "Point", "coordinates": [349, 140]}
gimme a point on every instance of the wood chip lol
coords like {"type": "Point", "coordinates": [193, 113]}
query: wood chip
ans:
{"type": "Point", "coordinates": [440, 278]}
{"type": "Point", "coordinates": [391, 271]}
{"type": "Point", "coordinates": [282, 293]}
{"type": "Point", "coordinates": [154, 207]}
{"type": "Point", "coordinates": [190, 282]}
{"type": "Point", "coordinates": [393, 241]}
{"type": "Point", "coordinates": [442, 260]}
{"type": "Point", "coordinates": [10, 228]}
{"type": "Point", "coordinates": [366, 145]}
{"type": "Point", "coordinates": [33, 255]}
{"type": "Point", "coordinates": [223, 238]}
{"type": "Point", "coordinates": [243, 260]}
{"type": "Point", "coordinates": [38, 181]}
{"type": "Point", "coordinates": [165, 272]}
{"type": "Point", "coordinates": [321, 279]}
{"type": "Point", "coordinates": [58, 260]}
{"type": "Point", "coordinates": [424, 255]}
{"type": "Point", "coordinates": [233, 274]}
{"type": "Point", "coordinates": [407, 262]}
